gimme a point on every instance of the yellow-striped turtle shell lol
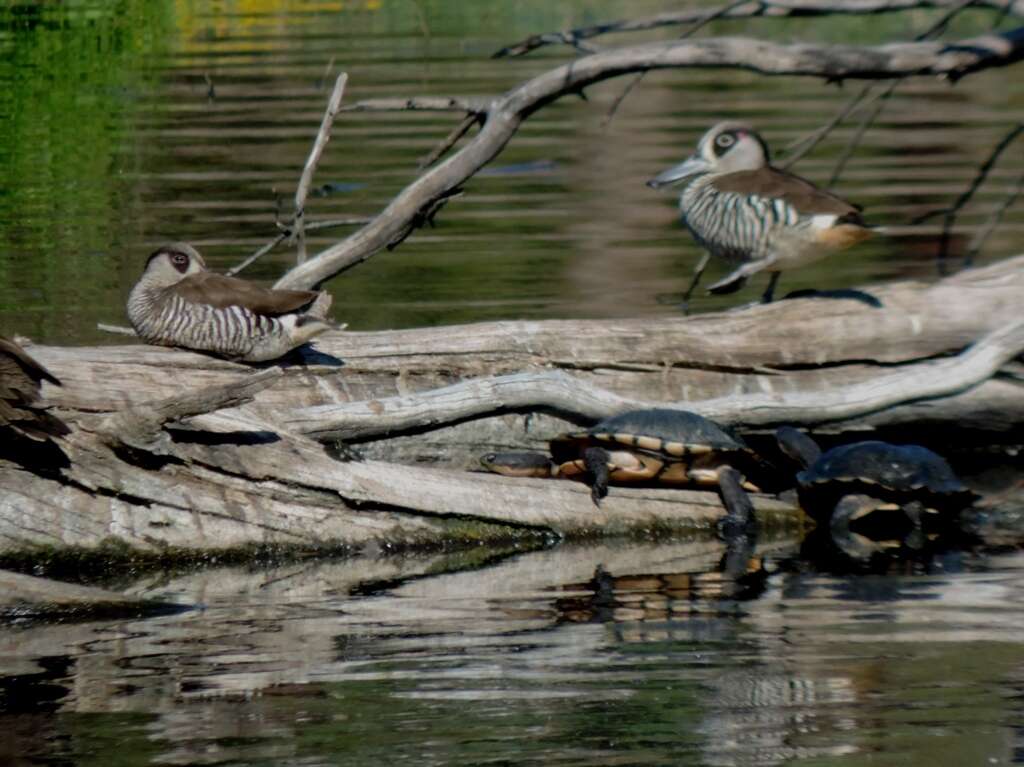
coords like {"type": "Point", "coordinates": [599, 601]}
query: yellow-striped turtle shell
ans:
{"type": "Point", "coordinates": [658, 445]}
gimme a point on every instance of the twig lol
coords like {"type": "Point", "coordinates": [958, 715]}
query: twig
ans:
{"type": "Point", "coordinates": [805, 144]}
{"type": "Point", "coordinates": [978, 241]}
{"type": "Point", "coordinates": [808, 142]}
{"type": "Point", "coordinates": [421, 104]}
{"type": "Point", "coordinates": [322, 137]}
{"type": "Point", "coordinates": [450, 140]}
{"type": "Point", "coordinates": [281, 237]}
{"type": "Point", "coordinates": [866, 122]}
{"type": "Point", "coordinates": [780, 9]}
{"type": "Point", "coordinates": [717, 14]}
{"type": "Point", "coordinates": [506, 113]}
{"type": "Point", "coordinates": [286, 232]}
{"type": "Point", "coordinates": [949, 214]}
{"type": "Point", "coordinates": [327, 70]}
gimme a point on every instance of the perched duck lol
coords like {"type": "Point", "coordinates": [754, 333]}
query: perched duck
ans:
{"type": "Point", "coordinates": [178, 302]}
{"type": "Point", "coordinates": [755, 216]}
{"type": "Point", "coordinates": [21, 379]}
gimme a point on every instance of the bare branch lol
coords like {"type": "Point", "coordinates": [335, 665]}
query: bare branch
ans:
{"type": "Point", "coordinates": [285, 233]}
{"type": "Point", "coordinates": [775, 9]}
{"type": "Point", "coordinates": [118, 329]}
{"type": "Point", "coordinates": [262, 251]}
{"type": "Point", "coordinates": [949, 214]}
{"type": "Point", "coordinates": [801, 146]}
{"type": "Point", "coordinates": [581, 400]}
{"type": "Point", "coordinates": [450, 140]}
{"type": "Point", "coordinates": [322, 137]}
{"type": "Point", "coordinates": [614, 108]}
{"type": "Point", "coordinates": [807, 143]}
{"type": "Point", "coordinates": [950, 60]}
{"type": "Point", "coordinates": [866, 122]}
{"type": "Point", "coordinates": [978, 241]}
{"type": "Point", "coordinates": [421, 104]}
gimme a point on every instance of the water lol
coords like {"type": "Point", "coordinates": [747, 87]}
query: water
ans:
{"type": "Point", "coordinates": [531, 660]}
{"type": "Point", "coordinates": [125, 125]}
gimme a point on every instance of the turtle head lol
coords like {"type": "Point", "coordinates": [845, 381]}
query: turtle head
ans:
{"type": "Point", "coordinates": [170, 264]}
{"type": "Point", "coordinates": [797, 446]}
{"type": "Point", "coordinates": [518, 464]}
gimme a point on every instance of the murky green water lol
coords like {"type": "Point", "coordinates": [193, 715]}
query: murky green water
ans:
{"type": "Point", "coordinates": [127, 124]}
{"type": "Point", "coordinates": [533, 660]}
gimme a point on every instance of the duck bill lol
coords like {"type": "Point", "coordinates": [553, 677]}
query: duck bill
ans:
{"type": "Point", "coordinates": [691, 166]}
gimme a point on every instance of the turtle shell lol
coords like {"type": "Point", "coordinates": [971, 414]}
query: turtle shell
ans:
{"type": "Point", "coordinates": [673, 434]}
{"type": "Point", "coordinates": [898, 473]}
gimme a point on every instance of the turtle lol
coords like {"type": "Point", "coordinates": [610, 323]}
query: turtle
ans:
{"type": "Point", "coordinates": [651, 446]}
{"type": "Point", "coordinates": [882, 490]}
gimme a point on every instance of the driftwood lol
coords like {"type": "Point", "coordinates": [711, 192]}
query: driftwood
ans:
{"type": "Point", "coordinates": [770, 9]}
{"type": "Point", "coordinates": [173, 453]}
{"type": "Point", "coordinates": [148, 470]}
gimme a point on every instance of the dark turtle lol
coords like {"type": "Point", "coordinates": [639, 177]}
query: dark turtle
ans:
{"type": "Point", "coordinates": [901, 483]}
{"type": "Point", "coordinates": [653, 446]}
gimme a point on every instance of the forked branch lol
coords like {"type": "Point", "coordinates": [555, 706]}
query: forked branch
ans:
{"type": "Point", "coordinates": [572, 397]}
{"type": "Point", "coordinates": [505, 114]}
{"type": "Point", "coordinates": [773, 9]}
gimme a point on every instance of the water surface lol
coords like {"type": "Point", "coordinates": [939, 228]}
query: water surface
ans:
{"type": "Point", "coordinates": [534, 660]}
{"type": "Point", "coordinates": [125, 125]}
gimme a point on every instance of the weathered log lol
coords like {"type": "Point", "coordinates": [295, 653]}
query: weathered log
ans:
{"type": "Point", "coordinates": [561, 392]}
{"type": "Point", "coordinates": [248, 477]}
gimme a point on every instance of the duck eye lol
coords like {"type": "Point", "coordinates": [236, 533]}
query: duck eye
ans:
{"type": "Point", "coordinates": [179, 258]}
{"type": "Point", "coordinates": [725, 141]}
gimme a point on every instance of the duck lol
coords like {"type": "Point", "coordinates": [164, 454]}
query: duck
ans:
{"type": "Point", "coordinates": [179, 302]}
{"type": "Point", "coordinates": [741, 208]}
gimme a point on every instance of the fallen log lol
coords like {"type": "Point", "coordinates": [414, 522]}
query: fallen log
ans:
{"type": "Point", "coordinates": [149, 469]}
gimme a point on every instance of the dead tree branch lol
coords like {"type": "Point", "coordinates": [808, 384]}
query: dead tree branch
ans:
{"type": "Point", "coordinates": [451, 140]}
{"type": "Point", "coordinates": [950, 60]}
{"type": "Point", "coordinates": [949, 214]}
{"type": "Point", "coordinates": [880, 100]}
{"type": "Point", "coordinates": [142, 425]}
{"type": "Point", "coordinates": [861, 99]}
{"type": "Point", "coordinates": [614, 108]}
{"type": "Point", "coordinates": [773, 9]}
{"type": "Point", "coordinates": [978, 241]}
{"type": "Point", "coordinates": [422, 104]}
{"type": "Point", "coordinates": [298, 234]}
{"type": "Point", "coordinates": [578, 400]}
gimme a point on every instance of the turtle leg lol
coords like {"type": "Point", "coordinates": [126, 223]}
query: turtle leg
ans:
{"type": "Point", "coordinates": [698, 270]}
{"type": "Point", "coordinates": [596, 461]}
{"type": "Point", "coordinates": [739, 520]}
{"type": "Point", "coordinates": [769, 292]}
{"type": "Point", "coordinates": [916, 539]}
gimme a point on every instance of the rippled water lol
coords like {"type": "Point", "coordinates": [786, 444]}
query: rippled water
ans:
{"type": "Point", "coordinates": [124, 125]}
{"type": "Point", "coordinates": [591, 655]}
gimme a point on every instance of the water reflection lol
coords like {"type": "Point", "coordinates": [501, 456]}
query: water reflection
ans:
{"type": "Point", "coordinates": [624, 654]}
